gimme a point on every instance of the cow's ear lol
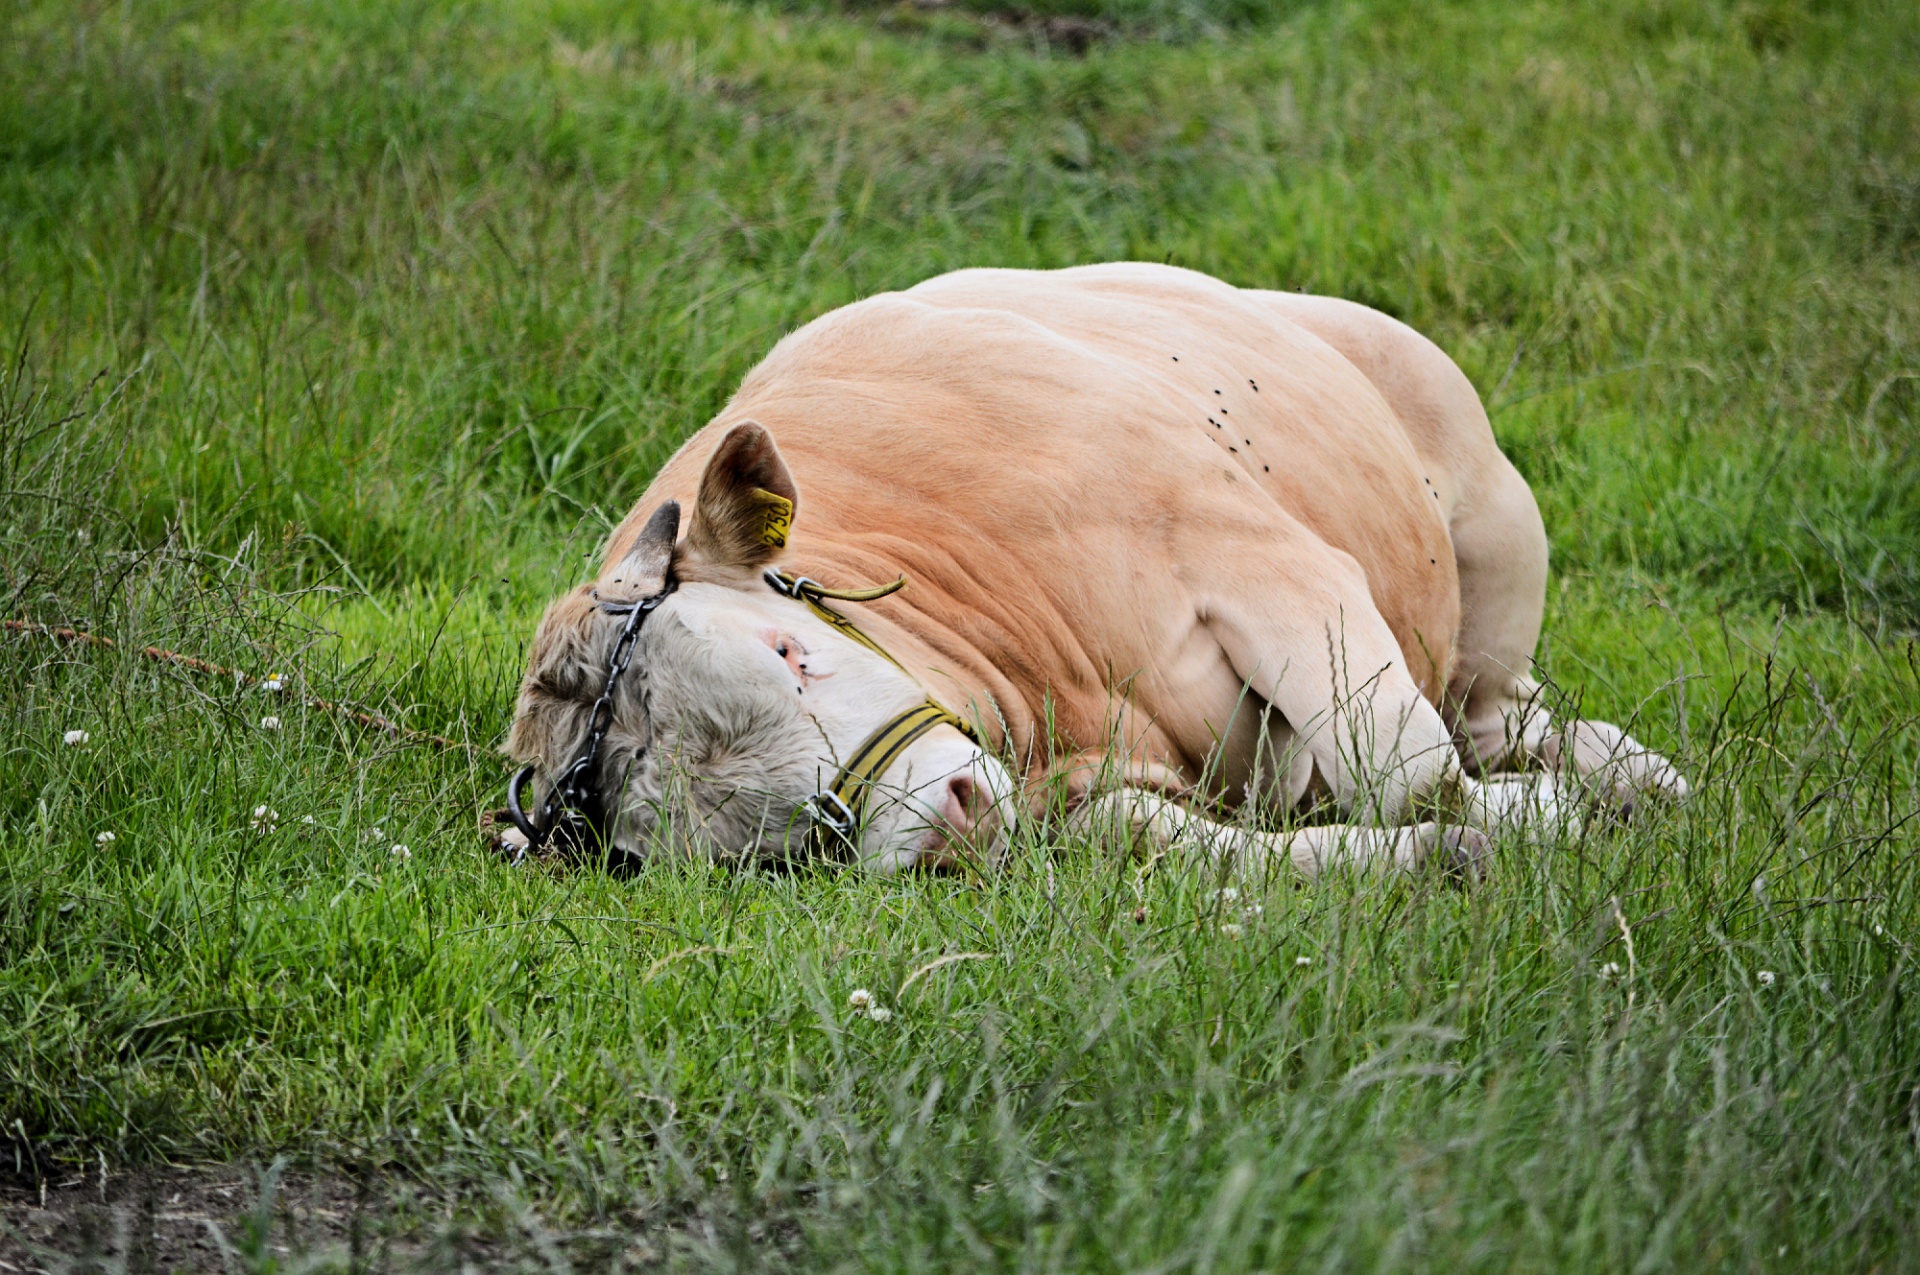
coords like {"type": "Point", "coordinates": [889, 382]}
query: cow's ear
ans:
{"type": "Point", "coordinates": [641, 571]}
{"type": "Point", "coordinates": [745, 507]}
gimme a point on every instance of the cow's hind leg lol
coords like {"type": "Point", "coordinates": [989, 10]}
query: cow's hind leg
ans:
{"type": "Point", "coordinates": [1500, 548]}
{"type": "Point", "coordinates": [1497, 712]}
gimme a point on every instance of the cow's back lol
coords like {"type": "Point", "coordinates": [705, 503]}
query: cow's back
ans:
{"type": "Point", "coordinates": [1355, 467]}
{"type": "Point", "coordinates": [1034, 447]}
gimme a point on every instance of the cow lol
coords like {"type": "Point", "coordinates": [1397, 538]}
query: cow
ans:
{"type": "Point", "coordinates": [1171, 549]}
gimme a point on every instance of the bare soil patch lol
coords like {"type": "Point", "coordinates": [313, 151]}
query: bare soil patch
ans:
{"type": "Point", "coordinates": [190, 1219]}
{"type": "Point", "coordinates": [1069, 33]}
{"type": "Point", "coordinates": [245, 1217]}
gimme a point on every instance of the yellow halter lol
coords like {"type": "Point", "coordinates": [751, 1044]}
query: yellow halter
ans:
{"type": "Point", "coordinates": [838, 810]}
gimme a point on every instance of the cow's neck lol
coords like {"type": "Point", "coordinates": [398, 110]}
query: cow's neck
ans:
{"type": "Point", "coordinates": [925, 630]}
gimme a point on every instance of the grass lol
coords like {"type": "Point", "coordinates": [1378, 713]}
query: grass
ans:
{"type": "Point", "coordinates": [342, 332]}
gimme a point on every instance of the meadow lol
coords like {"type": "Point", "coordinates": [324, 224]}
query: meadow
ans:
{"type": "Point", "coordinates": [337, 334]}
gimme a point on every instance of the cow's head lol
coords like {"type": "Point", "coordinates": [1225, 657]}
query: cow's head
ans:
{"type": "Point", "coordinates": [740, 704]}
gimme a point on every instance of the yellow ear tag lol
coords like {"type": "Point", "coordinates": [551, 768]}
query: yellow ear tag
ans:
{"type": "Point", "coordinates": [777, 518]}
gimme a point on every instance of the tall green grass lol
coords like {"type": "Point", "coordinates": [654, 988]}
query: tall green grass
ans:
{"type": "Point", "coordinates": [340, 333]}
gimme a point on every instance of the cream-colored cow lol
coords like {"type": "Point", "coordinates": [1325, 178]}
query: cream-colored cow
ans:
{"type": "Point", "coordinates": [1177, 543]}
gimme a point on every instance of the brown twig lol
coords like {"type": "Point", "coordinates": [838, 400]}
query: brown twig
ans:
{"type": "Point", "coordinates": [164, 656]}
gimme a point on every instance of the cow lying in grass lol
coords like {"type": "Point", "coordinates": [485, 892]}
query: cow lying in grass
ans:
{"type": "Point", "coordinates": [1178, 545]}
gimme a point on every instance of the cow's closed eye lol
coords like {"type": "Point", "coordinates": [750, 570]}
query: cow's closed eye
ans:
{"type": "Point", "coordinates": [794, 654]}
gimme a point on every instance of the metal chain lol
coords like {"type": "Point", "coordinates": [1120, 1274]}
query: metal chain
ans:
{"type": "Point", "coordinates": [573, 800]}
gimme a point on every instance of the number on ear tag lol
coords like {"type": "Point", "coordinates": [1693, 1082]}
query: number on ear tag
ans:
{"type": "Point", "coordinates": [776, 512]}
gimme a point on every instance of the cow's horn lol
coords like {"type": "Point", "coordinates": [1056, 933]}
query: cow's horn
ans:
{"type": "Point", "coordinates": [642, 572]}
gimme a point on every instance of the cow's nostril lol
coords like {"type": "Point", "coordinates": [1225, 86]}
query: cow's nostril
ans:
{"type": "Point", "coordinates": [962, 807]}
{"type": "Point", "coordinates": [969, 823]}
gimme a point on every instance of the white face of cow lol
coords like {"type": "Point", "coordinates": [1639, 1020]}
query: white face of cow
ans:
{"type": "Point", "coordinates": [740, 704]}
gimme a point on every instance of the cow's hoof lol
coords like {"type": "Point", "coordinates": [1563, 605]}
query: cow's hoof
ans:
{"type": "Point", "coordinates": [1462, 854]}
{"type": "Point", "coordinates": [1619, 807]}
{"type": "Point", "coordinates": [1618, 804]}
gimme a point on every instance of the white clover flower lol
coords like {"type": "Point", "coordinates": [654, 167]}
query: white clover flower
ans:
{"type": "Point", "coordinates": [1303, 960]}
{"type": "Point", "coordinates": [1610, 970]}
{"type": "Point", "coordinates": [1228, 896]}
{"type": "Point", "coordinates": [264, 819]}
{"type": "Point", "coordinates": [1231, 930]}
{"type": "Point", "coordinates": [400, 852]}
{"type": "Point", "coordinates": [104, 839]}
{"type": "Point", "coordinates": [879, 1013]}
{"type": "Point", "coordinates": [309, 820]}
{"type": "Point", "coordinates": [75, 738]}
{"type": "Point", "coordinates": [861, 1000]}
{"type": "Point", "coordinates": [269, 723]}
{"type": "Point", "coordinates": [1766, 978]}
{"type": "Point", "coordinates": [376, 834]}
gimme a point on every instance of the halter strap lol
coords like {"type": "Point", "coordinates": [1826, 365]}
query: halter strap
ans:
{"type": "Point", "coordinates": [815, 594]}
{"type": "Point", "coordinates": [839, 810]}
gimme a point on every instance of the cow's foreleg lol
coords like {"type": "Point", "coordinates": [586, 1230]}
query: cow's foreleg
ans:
{"type": "Point", "coordinates": [1164, 825]}
{"type": "Point", "coordinates": [1305, 636]}
{"type": "Point", "coordinates": [1303, 633]}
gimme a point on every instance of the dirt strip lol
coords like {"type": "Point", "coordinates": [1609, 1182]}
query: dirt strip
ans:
{"type": "Point", "coordinates": [171, 1219]}
{"type": "Point", "coordinates": [237, 1217]}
